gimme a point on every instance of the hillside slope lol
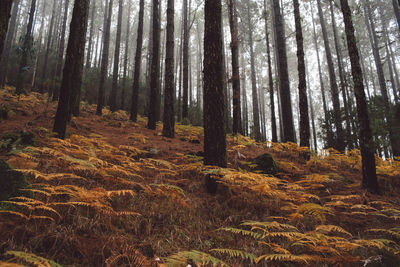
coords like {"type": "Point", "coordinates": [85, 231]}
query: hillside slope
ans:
{"type": "Point", "coordinates": [117, 194]}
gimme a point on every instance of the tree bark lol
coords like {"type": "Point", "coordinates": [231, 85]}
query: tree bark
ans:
{"type": "Point", "coordinates": [349, 139]}
{"type": "Point", "coordinates": [72, 74]}
{"type": "Point", "coordinates": [91, 32]}
{"type": "Point", "coordinates": [126, 55]}
{"type": "Point", "coordinates": [104, 61]}
{"type": "Point", "coordinates": [61, 49]}
{"type": "Point", "coordinates": [169, 95]}
{"type": "Point", "coordinates": [370, 181]}
{"type": "Point", "coordinates": [270, 78]}
{"type": "Point", "coordinates": [339, 143]}
{"type": "Point", "coordinates": [381, 76]}
{"type": "Point", "coordinates": [26, 49]}
{"type": "Point", "coordinates": [214, 104]}
{"type": "Point", "coordinates": [48, 48]}
{"type": "Point", "coordinates": [185, 93]}
{"type": "Point", "coordinates": [138, 64]}
{"type": "Point", "coordinates": [284, 86]}
{"type": "Point", "coordinates": [114, 88]}
{"type": "Point", "coordinates": [8, 42]}
{"type": "Point", "coordinates": [5, 10]}
{"type": "Point", "coordinates": [303, 103]}
{"type": "Point", "coordinates": [237, 124]}
{"type": "Point", "coordinates": [154, 108]}
{"type": "Point", "coordinates": [256, 112]}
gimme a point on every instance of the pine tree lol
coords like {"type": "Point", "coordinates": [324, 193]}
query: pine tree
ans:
{"type": "Point", "coordinates": [72, 74]}
{"type": "Point", "coordinates": [114, 88]}
{"type": "Point", "coordinates": [304, 119]}
{"type": "Point", "coordinates": [26, 50]}
{"type": "Point", "coordinates": [154, 107]}
{"type": "Point", "coordinates": [169, 116]}
{"type": "Point", "coordinates": [284, 86]}
{"type": "Point", "coordinates": [138, 63]}
{"type": "Point", "coordinates": [370, 181]}
{"type": "Point", "coordinates": [237, 114]}
{"type": "Point", "coordinates": [104, 60]}
{"type": "Point", "coordinates": [6, 48]}
{"type": "Point", "coordinates": [214, 104]}
{"type": "Point", "coordinates": [5, 10]}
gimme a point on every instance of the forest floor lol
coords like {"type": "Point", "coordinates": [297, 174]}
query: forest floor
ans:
{"type": "Point", "coordinates": [117, 194]}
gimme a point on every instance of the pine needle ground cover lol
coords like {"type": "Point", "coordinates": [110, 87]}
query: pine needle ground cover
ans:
{"type": "Point", "coordinates": [116, 194]}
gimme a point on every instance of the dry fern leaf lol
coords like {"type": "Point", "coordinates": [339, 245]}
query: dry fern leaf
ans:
{"type": "Point", "coordinates": [200, 258]}
{"type": "Point", "coordinates": [288, 258]}
{"type": "Point", "coordinates": [233, 253]}
{"type": "Point", "coordinates": [120, 193]}
{"type": "Point", "coordinates": [331, 228]}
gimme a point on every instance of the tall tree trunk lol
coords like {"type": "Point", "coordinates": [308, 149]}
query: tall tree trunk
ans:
{"type": "Point", "coordinates": [185, 108]}
{"type": "Point", "coordinates": [237, 124]}
{"type": "Point", "coordinates": [349, 139]}
{"type": "Point", "coordinates": [114, 88]}
{"type": "Point", "coordinates": [284, 86]}
{"type": "Point", "coordinates": [340, 138]}
{"type": "Point", "coordinates": [48, 48]}
{"type": "Point", "coordinates": [104, 61]}
{"type": "Point", "coordinates": [138, 64]}
{"type": "Point", "coordinates": [5, 52]}
{"type": "Point", "coordinates": [245, 118]}
{"type": "Point", "coordinates": [370, 181]}
{"type": "Point", "coordinates": [91, 32]}
{"type": "Point", "coordinates": [214, 104]}
{"type": "Point", "coordinates": [26, 49]}
{"type": "Point", "coordinates": [61, 49]}
{"type": "Point", "coordinates": [39, 46]}
{"type": "Point", "coordinates": [312, 113]}
{"type": "Point", "coordinates": [126, 55]}
{"type": "Point", "coordinates": [256, 112]}
{"type": "Point", "coordinates": [72, 74]}
{"type": "Point", "coordinates": [270, 78]}
{"type": "Point", "coordinates": [303, 103]}
{"type": "Point", "coordinates": [154, 108]}
{"type": "Point", "coordinates": [169, 95]}
{"type": "Point", "coordinates": [396, 11]}
{"type": "Point", "coordinates": [5, 10]}
{"type": "Point", "coordinates": [381, 77]}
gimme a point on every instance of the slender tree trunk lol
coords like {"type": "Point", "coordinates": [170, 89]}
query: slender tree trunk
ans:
{"type": "Point", "coordinates": [303, 103]}
{"type": "Point", "coordinates": [138, 64]}
{"type": "Point", "coordinates": [104, 61]}
{"type": "Point", "coordinates": [26, 49]}
{"type": "Point", "coordinates": [39, 47]}
{"type": "Point", "coordinates": [381, 77]}
{"type": "Point", "coordinates": [91, 32]}
{"type": "Point", "coordinates": [256, 112]}
{"type": "Point", "coordinates": [237, 124]}
{"type": "Point", "coordinates": [214, 104]}
{"type": "Point", "coordinates": [5, 10]}
{"type": "Point", "coordinates": [72, 74]}
{"type": "Point", "coordinates": [349, 139]}
{"type": "Point", "coordinates": [185, 108]}
{"type": "Point", "coordinates": [126, 55]}
{"type": "Point", "coordinates": [154, 108]}
{"type": "Point", "coordinates": [245, 118]}
{"type": "Point", "coordinates": [270, 78]}
{"type": "Point", "coordinates": [340, 138]}
{"type": "Point", "coordinates": [370, 181]}
{"type": "Point", "coordinates": [61, 49]}
{"type": "Point", "coordinates": [396, 73]}
{"type": "Point", "coordinates": [396, 11]}
{"type": "Point", "coordinates": [169, 95]}
{"type": "Point", "coordinates": [5, 52]}
{"type": "Point", "coordinates": [114, 89]}
{"type": "Point", "coordinates": [284, 86]}
{"type": "Point", "coordinates": [48, 48]}
{"type": "Point", "coordinates": [312, 113]}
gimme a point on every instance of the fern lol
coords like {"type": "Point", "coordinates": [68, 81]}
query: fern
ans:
{"type": "Point", "coordinates": [237, 254]}
{"type": "Point", "coordinates": [316, 211]}
{"type": "Point", "coordinates": [31, 259]}
{"type": "Point", "coordinates": [331, 228]}
{"type": "Point", "coordinates": [289, 257]}
{"type": "Point", "coordinates": [181, 259]}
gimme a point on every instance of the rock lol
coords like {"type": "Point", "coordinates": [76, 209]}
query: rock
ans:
{"type": "Point", "coordinates": [266, 164]}
{"type": "Point", "coordinates": [11, 181]}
